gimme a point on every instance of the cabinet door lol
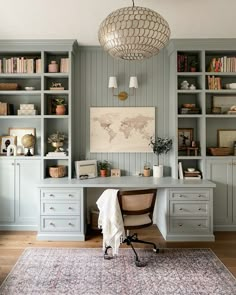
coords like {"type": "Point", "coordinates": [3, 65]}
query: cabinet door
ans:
{"type": "Point", "coordinates": [220, 172]}
{"type": "Point", "coordinates": [234, 192]}
{"type": "Point", "coordinates": [6, 191]}
{"type": "Point", "coordinates": [27, 177]}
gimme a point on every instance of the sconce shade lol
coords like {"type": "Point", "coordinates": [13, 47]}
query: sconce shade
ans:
{"type": "Point", "coordinates": [133, 33]}
{"type": "Point", "coordinates": [112, 82]}
{"type": "Point", "coordinates": [133, 82]}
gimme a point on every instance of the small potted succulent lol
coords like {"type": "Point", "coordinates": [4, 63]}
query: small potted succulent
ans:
{"type": "Point", "coordinates": [159, 146]}
{"type": "Point", "coordinates": [103, 167]}
{"type": "Point", "coordinates": [60, 106]}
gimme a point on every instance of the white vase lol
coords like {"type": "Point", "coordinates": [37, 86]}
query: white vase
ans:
{"type": "Point", "coordinates": [158, 171]}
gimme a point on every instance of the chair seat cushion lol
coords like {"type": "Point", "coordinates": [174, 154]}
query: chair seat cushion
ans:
{"type": "Point", "coordinates": [136, 220]}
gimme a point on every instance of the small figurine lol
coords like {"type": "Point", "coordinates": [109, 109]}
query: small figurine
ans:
{"type": "Point", "coordinates": [184, 85]}
{"type": "Point", "coordinates": [192, 87]}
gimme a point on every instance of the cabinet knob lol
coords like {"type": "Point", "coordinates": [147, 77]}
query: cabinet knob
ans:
{"type": "Point", "coordinates": [52, 224]}
{"type": "Point", "coordinates": [180, 224]}
{"type": "Point", "coordinates": [70, 195]}
{"type": "Point", "coordinates": [51, 208]}
{"type": "Point", "coordinates": [13, 164]}
{"type": "Point", "coordinates": [199, 209]}
{"type": "Point", "coordinates": [18, 164]}
{"type": "Point", "coordinates": [180, 209]}
{"type": "Point", "coordinates": [199, 225]}
{"type": "Point", "coordinates": [70, 208]}
{"type": "Point", "coordinates": [71, 224]}
{"type": "Point", "coordinates": [51, 195]}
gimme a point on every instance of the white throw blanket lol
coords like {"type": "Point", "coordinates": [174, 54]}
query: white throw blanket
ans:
{"type": "Point", "coordinates": [110, 220]}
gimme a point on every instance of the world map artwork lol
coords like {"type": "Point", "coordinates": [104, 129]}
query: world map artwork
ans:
{"type": "Point", "coordinates": [121, 129]}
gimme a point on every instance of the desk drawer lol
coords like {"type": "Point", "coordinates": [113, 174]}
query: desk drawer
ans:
{"type": "Point", "coordinates": [56, 224]}
{"type": "Point", "coordinates": [179, 225]}
{"type": "Point", "coordinates": [60, 208]}
{"type": "Point", "coordinates": [189, 208]}
{"type": "Point", "coordinates": [189, 195]}
{"type": "Point", "coordinates": [69, 195]}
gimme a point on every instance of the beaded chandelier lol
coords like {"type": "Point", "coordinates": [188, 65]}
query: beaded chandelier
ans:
{"type": "Point", "coordinates": [133, 33]}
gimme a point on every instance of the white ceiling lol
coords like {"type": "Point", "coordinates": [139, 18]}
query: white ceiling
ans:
{"type": "Point", "coordinates": [80, 19]}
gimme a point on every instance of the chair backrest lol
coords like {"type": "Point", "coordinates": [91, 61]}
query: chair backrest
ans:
{"type": "Point", "coordinates": [137, 202]}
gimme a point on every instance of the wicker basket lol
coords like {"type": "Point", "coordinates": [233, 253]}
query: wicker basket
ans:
{"type": "Point", "coordinates": [57, 171]}
{"type": "Point", "coordinates": [9, 86]}
{"type": "Point", "coordinates": [221, 151]}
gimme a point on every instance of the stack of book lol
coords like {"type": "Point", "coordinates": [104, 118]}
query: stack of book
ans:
{"type": "Point", "coordinates": [64, 65]}
{"type": "Point", "coordinates": [27, 109]}
{"type": "Point", "coordinates": [223, 64]}
{"type": "Point", "coordinates": [189, 111]}
{"type": "Point", "coordinates": [196, 174]}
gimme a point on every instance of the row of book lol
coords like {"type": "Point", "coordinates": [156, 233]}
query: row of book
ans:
{"type": "Point", "coordinates": [214, 83]}
{"type": "Point", "coordinates": [27, 65]}
{"type": "Point", "coordinates": [222, 64]}
{"type": "Point", "coordinates": [185, 174]}
{"type": "Point", "coordinates": [185, 63]}
{"type": "Point", "coordinates": [20, 65]}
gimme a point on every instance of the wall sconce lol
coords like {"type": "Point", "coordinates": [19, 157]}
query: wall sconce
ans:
{"type": "Point", "coordinates": [133, 84]}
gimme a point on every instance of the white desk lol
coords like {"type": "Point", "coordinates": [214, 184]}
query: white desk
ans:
{"type": "Point", "coordinates": [184, 208]}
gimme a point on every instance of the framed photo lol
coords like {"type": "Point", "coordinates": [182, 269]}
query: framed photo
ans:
{"type": "Point", "coordinates": [185, 137]}
{"type": "Point", "coordinates": [86, 169]}
{"type": "Point", "coordinates": [5, 141]}
{"type": "Point", "coordinates": [19, 133]}
{"type": "Point", "coordinates": [226, 137]}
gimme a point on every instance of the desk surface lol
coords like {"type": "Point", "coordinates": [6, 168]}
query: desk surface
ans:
{"type": "Point", "coordinates": [127, 181]}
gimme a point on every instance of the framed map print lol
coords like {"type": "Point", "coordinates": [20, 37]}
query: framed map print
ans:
{"type": "Point", "coordinates": [121, 129]}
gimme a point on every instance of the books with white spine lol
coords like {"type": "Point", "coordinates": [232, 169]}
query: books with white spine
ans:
{"type": "Point", "coordinates": [181, 174]}
{"type": "Point", "coordinates": [56, 154]}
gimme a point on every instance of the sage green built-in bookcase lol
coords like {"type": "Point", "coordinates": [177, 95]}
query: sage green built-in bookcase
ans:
{"type": "Point", "coordinates": [206, 113]}
{"type": "Point", "coordinates": [25, 79]}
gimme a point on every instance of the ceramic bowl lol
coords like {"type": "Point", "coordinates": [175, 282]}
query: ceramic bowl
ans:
{"type": "Point", "coordinates": [28, 88]}
{"type": "Point", "coordinates": [191, 169]}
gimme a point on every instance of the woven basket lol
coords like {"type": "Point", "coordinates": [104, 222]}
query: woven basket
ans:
{"type": "Point", "coordinates": [57, 171]}
{"type": "Point", "coordinates": [221, 151]}
{"type": "Point", "coordinates": [8, 86]}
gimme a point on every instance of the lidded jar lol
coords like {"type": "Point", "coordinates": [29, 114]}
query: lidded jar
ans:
{"type": "Point", "coordinates": [53, 67]}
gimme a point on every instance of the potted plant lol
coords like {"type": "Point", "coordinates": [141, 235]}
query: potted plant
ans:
{"type": "Point", "coordinates": [193, 65]}
{"type": "Point", "coordinates": [57, 140]}
{"type": "Point", "coordinates": [159, 146]}
{"type": "Point", "coordinates": [60, 106]}
{"type": "Point", "coordinates": [103, 167]}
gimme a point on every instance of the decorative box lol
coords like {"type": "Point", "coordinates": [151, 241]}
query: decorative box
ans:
{"type": "Point", "coordinates": [26, 112]}
{"type": "Point", "coordinates": [27, 106]}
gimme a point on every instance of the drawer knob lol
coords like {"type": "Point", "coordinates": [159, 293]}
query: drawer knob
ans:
{"type": "Point", "coordinates": [180, 209]}
{"type": "Point", "coordinates": [199, 209]}
{"type": "Point", "coordinates": [70, 208]}
{"type": "Point", "coordinates": [71, 224]}
{"type": "Point", "coordinates": [199, 225]}
{"type": "Point", "coordinates": [52, 224]}
{"type": "Point", "coordinates": [70, 195]}
{"type": "Point", "coordinates": [51, 195]}
{"type": "Point", "coordinates": [180, 224]}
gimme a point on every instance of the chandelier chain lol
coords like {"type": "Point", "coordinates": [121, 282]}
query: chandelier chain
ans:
{"type": "Point", "coordinates": [133, 2]}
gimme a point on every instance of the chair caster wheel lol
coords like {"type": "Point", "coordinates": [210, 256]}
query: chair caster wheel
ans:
{"type": "Point", "coordinates": [156, 250]}
{"type": "Point", "coordinates": [107, 256]}
{"type": "Point", "coordinates": [140, 263]}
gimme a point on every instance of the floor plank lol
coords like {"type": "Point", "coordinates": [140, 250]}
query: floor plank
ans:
{"type": "Point", "coordinates": [13, 243]}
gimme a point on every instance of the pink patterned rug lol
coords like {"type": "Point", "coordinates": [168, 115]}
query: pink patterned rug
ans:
{"type": "Point", "coordinates": [50, 271]}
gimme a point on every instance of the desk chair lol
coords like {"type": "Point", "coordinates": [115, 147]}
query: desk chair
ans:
{"type": "Point", "coordinates": [137, 211]}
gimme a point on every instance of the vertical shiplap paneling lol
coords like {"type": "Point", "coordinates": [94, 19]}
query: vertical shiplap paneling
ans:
{"type": "Point", "coordinates": [95, 68]}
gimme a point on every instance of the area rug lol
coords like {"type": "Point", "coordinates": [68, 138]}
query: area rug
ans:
{"type": "Point", "coordinates": [49, 271]}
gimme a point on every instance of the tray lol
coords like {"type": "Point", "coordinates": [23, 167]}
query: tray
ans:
{"type": "Point", "coordinates": [221, 151]}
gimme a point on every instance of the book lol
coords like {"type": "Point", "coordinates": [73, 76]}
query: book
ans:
{"type": "Point", "coordinates": [192, 177]}
{"type": "Point", "coordinates": [56, 154]}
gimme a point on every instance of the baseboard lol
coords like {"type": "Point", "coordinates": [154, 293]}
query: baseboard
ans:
{"type": "Point", "coordinates": [190, 238]}
{"type": "Point", "coordinates": [60, 237]}
{"type": "Point", "coordinates": [224, 227]}
{"type": "Point", "coordinates": [18, 227]}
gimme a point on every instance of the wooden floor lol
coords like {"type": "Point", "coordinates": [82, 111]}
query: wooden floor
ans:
{"type": "Point", "coordinates": [12, 244]}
